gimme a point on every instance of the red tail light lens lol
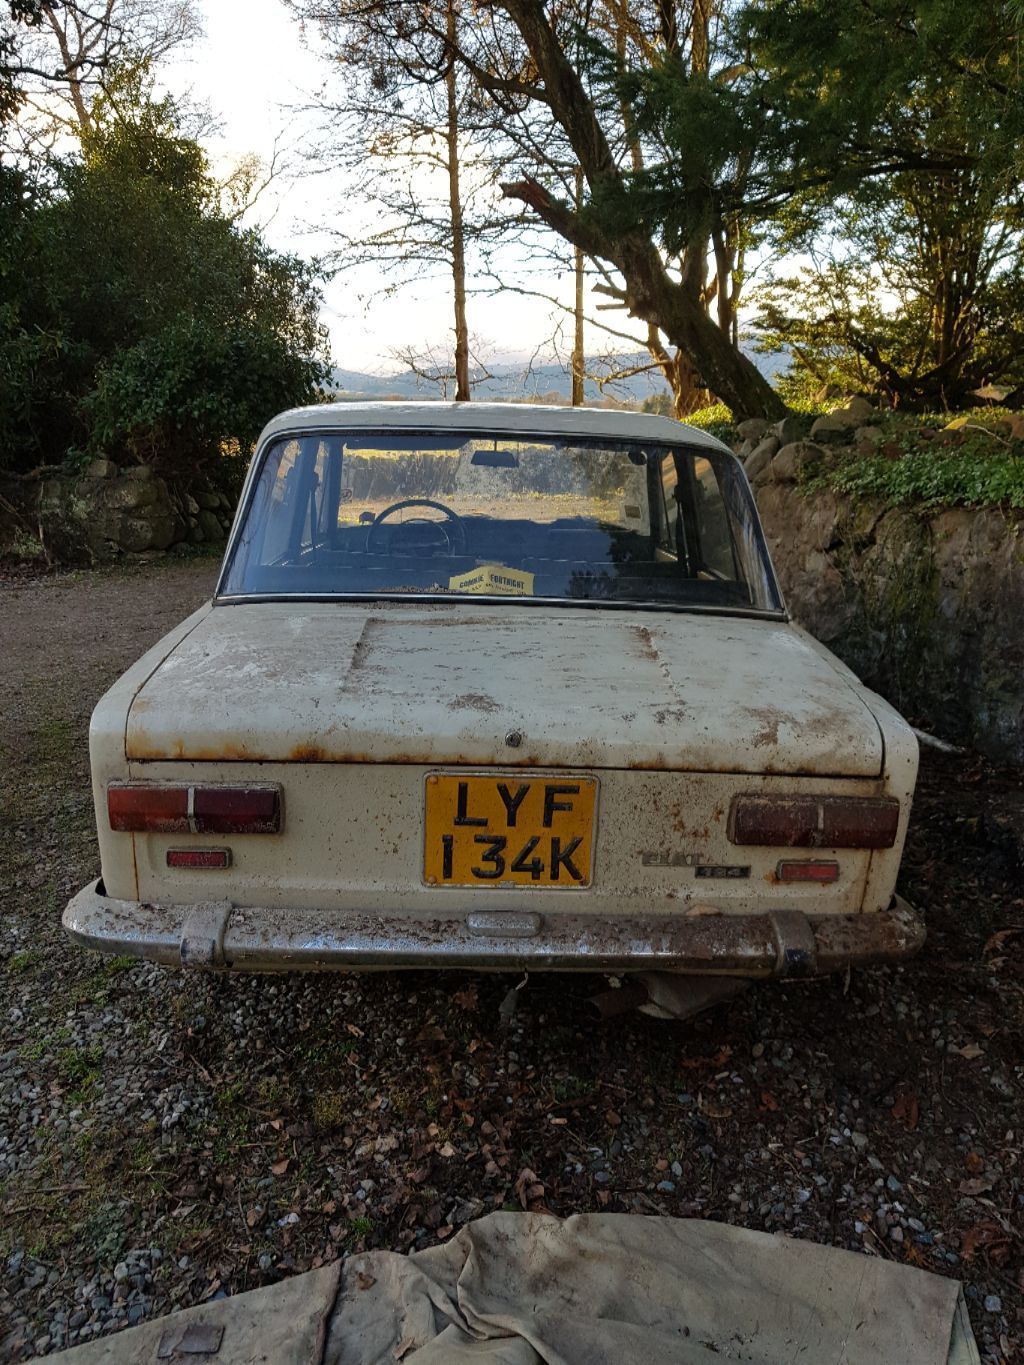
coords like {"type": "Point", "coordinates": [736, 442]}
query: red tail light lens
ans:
{"type": "Point", "coordinates": [149, 808]}
{"type": "Point", "coordinates": [807, 871]}
{"type": "Point", "coordinates": [815, 821]}
{"type": "Point", "coordinates": [237, 810]}
{"type": "Point", "coordinates": [156, 810]}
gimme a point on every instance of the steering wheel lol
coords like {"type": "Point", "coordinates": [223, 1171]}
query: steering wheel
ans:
{"type": "Point", "coordinates": [452, 530]}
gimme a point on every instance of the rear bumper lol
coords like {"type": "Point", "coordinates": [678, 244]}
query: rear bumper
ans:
{"type": "Point", "coordinates": [221, 936]}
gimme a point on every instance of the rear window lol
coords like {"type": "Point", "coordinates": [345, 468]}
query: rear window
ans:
{"type": "Point", "coordinates": [488, 515]}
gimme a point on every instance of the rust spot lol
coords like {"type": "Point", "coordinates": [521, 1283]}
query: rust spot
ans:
{"type": "Point", "coordinates": [647, 648]}
{"type": "Point", "coordinates": [474, 701]}
{"type": "Point", "coordinates": [675, 714]}
{"type": "Point", "coordinates": [141, 749]}
{"type": "Point", "coordinates": [307, 753]}
{"type": "Point", "coordinates": [770, 719]}
{"type": "Point", "coordinates": [362, 644]}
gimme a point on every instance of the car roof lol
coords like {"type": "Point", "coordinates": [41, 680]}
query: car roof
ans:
{"type": "Point", "coordinates": [532, 419]}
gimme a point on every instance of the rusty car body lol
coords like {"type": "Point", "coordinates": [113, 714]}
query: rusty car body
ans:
{"type": "Point", "coordinates": [495, 686]}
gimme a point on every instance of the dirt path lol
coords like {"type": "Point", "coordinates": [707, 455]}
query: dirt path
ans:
{"type": "Point", "coordinates": [168, 1138]}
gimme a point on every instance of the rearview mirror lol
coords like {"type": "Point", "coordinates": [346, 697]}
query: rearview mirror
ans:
{"type": "Point", "coordinates": [494, 459]}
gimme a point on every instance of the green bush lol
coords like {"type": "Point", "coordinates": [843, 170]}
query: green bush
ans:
{"type": "Point", "coordinates": [968, 476]}
{"type": "Point", "coordinates": [909, 470]}
{"type": "Point", "coordinates": [138, 321]}
{"type": "Point", "coordinates": [716, 420]}
{"type": "Point", "coordinates": [173, 399]}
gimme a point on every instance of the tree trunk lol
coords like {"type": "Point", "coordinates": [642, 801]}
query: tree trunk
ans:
{"type": "Point", "coordinates": [689, 393]}
{"type": "Point", "coordinates": [462, 391]}
{"type": "Point", "coordinates": [578, 353]}
{"type": "Point", "coordinates": [72, 68]}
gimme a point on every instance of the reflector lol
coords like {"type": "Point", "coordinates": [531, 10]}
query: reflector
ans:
{"type": "Point", "coordinates": [807, 871]}
{"type": "Point", "coordinates": [198, 857]}
{"type": "Point", "coordinates": [815, 821]}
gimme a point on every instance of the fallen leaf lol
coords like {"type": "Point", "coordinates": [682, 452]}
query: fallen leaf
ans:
{"type": "Point", "coordinates": [985, 1236]}
{"type": "Point", "coordinates": [970, 1051]}
{"type": "Point", "coordinates": [997, 939]}
{"type": "Point", "coordinates": [975, 1187]}
{"type": "Point", "coordinates": [718, 1059]}
{"type": "Point", "coordinates": [906, 1110]}
{"type": "Point", "coordinates": [467, 999]}
{"type": "Point", "coordinates": [355, 1031]}
{"type": "Point", "coordinates": [365, 1281]}
{"type": "Point", "coordinates": [277, 1124]}
{"type": "Point", "coordinates": [280, 1167]}
{"type": "Point", "coordinates": [974, 1163]}
{"type": "Point", "coordinates": [528, 1186]}
{"type": "Point", "coordinates": [768, 1100]}
{"type": "Point", "coordinates": [252, 1218]}
{"type": "Point", "coordinates": [612, 1118]}
{"type": "Point", "coordinates": [446, 1151]}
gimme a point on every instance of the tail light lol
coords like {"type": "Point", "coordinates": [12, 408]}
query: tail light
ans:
{"type": "Point", "coordinates": [815, 821]}
{"type": "Point", "coordinates": [150, 808]}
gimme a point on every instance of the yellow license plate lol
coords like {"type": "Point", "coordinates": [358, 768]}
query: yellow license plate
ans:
{"type": "Point", "coordinates": [509, 829]}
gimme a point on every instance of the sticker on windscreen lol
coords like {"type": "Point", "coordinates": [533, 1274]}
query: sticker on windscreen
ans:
{"type": "Point", "coordinates": [494, 580]}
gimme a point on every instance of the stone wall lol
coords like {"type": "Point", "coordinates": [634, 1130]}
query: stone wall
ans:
{"type": "Point", "coordinates": [107, 510]}
{"type": "Point", "coordinates": [927, 608]}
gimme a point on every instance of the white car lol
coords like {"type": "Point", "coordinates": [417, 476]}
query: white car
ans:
{"type": "Point", "coordinates": [498, 686]}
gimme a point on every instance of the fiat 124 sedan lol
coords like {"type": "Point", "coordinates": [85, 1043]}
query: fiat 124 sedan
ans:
{"type": "Point", "coordinates": [498, 687]}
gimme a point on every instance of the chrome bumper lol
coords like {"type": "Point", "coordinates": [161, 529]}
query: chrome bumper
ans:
{"type": "Point", "coordinates": [220, 936]}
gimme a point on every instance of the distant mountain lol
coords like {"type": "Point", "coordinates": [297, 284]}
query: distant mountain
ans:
{"type": "Point", "coordinates": [511, 381]}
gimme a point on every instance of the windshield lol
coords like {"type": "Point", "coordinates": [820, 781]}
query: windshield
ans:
{"type": "Point", "coordinates": [460, 515]}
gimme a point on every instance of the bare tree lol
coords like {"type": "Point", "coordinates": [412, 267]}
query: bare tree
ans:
{"type": "Point", "coordinates": [78, 45]}
{"type": "Point", "coordinates": [437, 367]}
{"type": "Point", "coordinates": [579, 352]}
{"type": "Point", "coordinates": [538, 113]}
{"type": "Point", "coordinates": [462, 390]}
{"type": "Point", "coordinates": [394, 122]}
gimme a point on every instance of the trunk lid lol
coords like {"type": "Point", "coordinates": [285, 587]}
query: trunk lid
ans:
{"type": "Point", "coordinates": [449, 684]}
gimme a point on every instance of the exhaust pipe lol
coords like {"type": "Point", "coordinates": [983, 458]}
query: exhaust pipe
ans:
{"type": "Point", "coordinates": [668, 995]}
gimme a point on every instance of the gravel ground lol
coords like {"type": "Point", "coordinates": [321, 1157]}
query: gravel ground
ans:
{"type": "Point", "coordinates": [167, 1139]}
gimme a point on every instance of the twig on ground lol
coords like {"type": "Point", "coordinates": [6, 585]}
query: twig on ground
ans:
{"type": "Point", "coordinates": [933, 742]}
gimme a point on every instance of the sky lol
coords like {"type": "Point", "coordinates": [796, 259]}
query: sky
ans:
{"type": "Point", "coordinates": [252, 73]}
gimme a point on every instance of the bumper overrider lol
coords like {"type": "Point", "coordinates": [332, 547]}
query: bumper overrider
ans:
{"type": "Point", "coordinates": [219, 936]}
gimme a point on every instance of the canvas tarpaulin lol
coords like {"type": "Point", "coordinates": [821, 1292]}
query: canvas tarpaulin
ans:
{"type": "Point", "coordinates": [594, 1289]}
